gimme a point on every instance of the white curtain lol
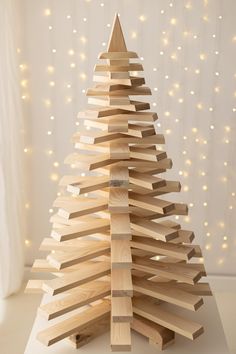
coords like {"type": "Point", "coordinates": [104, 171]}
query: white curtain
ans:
{"type": "Point", "coordinates": [11, 216]}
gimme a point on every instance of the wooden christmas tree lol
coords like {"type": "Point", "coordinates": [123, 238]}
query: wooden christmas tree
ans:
{"type": "Point", "coordinates": [118, 261]}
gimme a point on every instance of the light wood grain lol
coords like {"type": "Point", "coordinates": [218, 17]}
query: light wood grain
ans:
{"type": "Point", "coordinates": [121, 254]}
{"type": "Point", "coordinates": [121, 309]}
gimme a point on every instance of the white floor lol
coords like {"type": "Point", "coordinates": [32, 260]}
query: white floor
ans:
{"type": "Point", "coordinates": [17, 315]}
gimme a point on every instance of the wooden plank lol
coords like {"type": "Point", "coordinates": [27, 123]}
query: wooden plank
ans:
{"type": "Point", "coordinates": [141, 131]}
{"type": "Point", "coordinates": [180, 272]}
{"type": "Point", "coordinates": [169, 293]}
{"type": "Point", "coordinates": [81, 185]}
{"type": "Point", "coordinates": [86, 273]}
{"type": "Point", "coordinates": [153, 229]}
{"type": "Point", "coordinates": [150, 203]}
{"type": "Point", "coordinates": [147, 154]}
{"type": "Point", "coordinates": [178, 251]}
{"type": "Point", "coordinates": [202, 289]}
{"type": "Point", "coordinates": [120, 336]}
{"type": "Point", "coordinates": [113, 68]}
{"type": "Point", "coordinates": [121, 282]}
{"type": "Point", "coordinates": [137, 90]}
{"type": "Point", "coordinates": [119, 151]}
{"type": "Point", "coordinates": [131, 117]}
{"type": "Point", "coordinates": [118, 200]}
{"type": "Point", "coordinates": [82, 296]}
{"type": "Point", "coordinates": [72, 210]}
{"type": "Point", "coordinates": [159, 335]}
{"type": "Point", "coordinates": [89, 333]}
{"type": "Point", "coordinates": [49, 244]}
{"type": "Point", "coordinates": [174, 322]}
{"type": "Point", "coordinates": [74, 231]}
{"type": "Point", "coordinates": [121, 254]}
{"type": "Point", "coordinates": [121, 309]}
{"type": "Point", "coordinates": [120, 227]}
{"type": "Point", "coordinates": [119, 176]}
{"type": "Point", "coordinates": [145, 180]}
{"type": "Point", "coordinates": [117, 55]}
{"type": "Point", "coordinates": [130, 81]}
{"type": "Point", "coordinates": [61, 260]}
{"type": "Point", "coordinates": [74, 324]}
{"type": "Point", "coordinates": [88, 162]}
{"type": "Point", "coordinates": [110, 125]}
{"type": "Point", "coordinates": [34, 286]}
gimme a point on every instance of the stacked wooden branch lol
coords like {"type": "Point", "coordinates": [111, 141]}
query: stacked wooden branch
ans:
{"type": "Point", "coordinates": [116, 258]}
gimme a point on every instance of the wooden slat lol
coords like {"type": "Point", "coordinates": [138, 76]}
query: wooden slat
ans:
{"type": "Point", "coordinates": [74, 324]}
{"type": "Point", "coordinates": [118, 200]}
{"type": "Point", "coordinates": [174, 322]}
{"type": "Point", "coordinates": [180, 251]}
{"type": "Point", "coordinates": [112, 68]}
{"type": "Point", "coordinates": [159, 335]}
{"type": "Point", "coordinates": [150, 203]}
{"type": "Point", "coordinates": [121, 254]}
{"type": "Point", "coordinates": [89, 162]}
{"type": "Point", "coordinates": [119, 151]}
{"type": "Point", "coordinates": [62, 260]}
{"type": "Point", "coordinates": [110, 125]}
{"type": "Point", "coordinates": [117, 55]}
{"type": "Point", "coordinates": [74, 231]}
{"type": "Point", "coordinates": [120, 227]}
{"type": "Point", "coordinates": [145, 180]}
{"type": "Point", "coordinates": [49, 244]}
{"type": "Point", "coordinates": [147, 154]}
{"type": "Point", "coordinates": [120, 336]}
{"type": "Point", "coordinates": [121, 282]}
{"type": "Point", "coordinates": [153, 229]}
{"type": "Point", "coordinates": [141, 131]}
{"type": "Point", "coordinates": [84, 295]}
{"type": "Point", "coordinates": [121, 309]}
{"type": "Point", "coordinates": [142, 90]}
{"type": "Point", "coordinates": [119, 176]}
{"type": "Point", "coordinates": [83, 185]}
{"type": "Point", "coordinates": [86, 273]}
{"type": "Point", "coordinates": [72, 210]}
{"type": "Point", "coordinates": [168, 293]}
{"type": "Point", "coordinates": [34, 286]}
{"type": "Point", "coordinates": [181, 272]}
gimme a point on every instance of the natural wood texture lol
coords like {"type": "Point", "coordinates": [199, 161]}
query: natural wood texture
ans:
{"type": "Point", "coordinates": [74, 231]}
{"type": "Point", "coordinates": [161, 336]}
{"type": "Point", "coordinates": [174, 322]}
{"type": "Point", "coordinates": [182, 252]}
{"type": "Point", "coordinates": [121, 254]}
{"type": "Point", "coordinates": [121, 309]}
{"type": "Point", "coordinates": [153, 229]}
{"type": "Point", "coordinates": [113, 234]}
{"type": "Point", "coordinates": [120, 227]}
{"type": "Point", "coordinates": [181, 272]}
{"type": "Point", "coordinates": [118, 200]}
{"type": "Point", "coordinates": [63, 260]}
{"type": "Point", "coordinates": [120, 336]}
{"type": "Point", "coordinates": [84, 295]}
{"type": "Point", "coordinates": [86, 273]}
{"type": "Point", "coordinates": [121, 282]}
{"type": "Point", "coordinates": [74, 324]}
{"type": "Point", "coordinates": [168, 293]}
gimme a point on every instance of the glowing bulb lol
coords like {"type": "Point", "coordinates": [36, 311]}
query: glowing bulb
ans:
{"type": "Point", "coordinates": [205, 204]}
{"type": "Point", "coordinates": [194, 130]}
{"type": "Point", "coordinates": [56, 164]}
{"type": "Point", "coordinates": [202, 56]}
{"type": "Point", "coordinates": [208, 246]}
{"type": "Point", "coordinates": [204, 188]}
{"type": "Point", "coordinates": [224, 245]}
{"type": "Point", "coordinates": [27, 242]}
{"type": "Point", "coordinates": [83, 76]}
{"type": "Point", "coordinates": [54, 177]}
{"type": "Point", "coordinates": [47, 12]}
{"type": "Point", "coordinates": [26, 150]}
{"type": "Point", "coordinates": [83, 39]}
{"type": "Point", "coordinates": [50, 210]}
{"type": "Point", "coordinates": [52, 83]}
{"type": "Point", "coordinates": [142, 18]}
{"type": "Point", "coordinates": [173, 21]}
{"type": "Point", "coordinates": [71, 52]}
{"type": "Point", "coordinates": [212, 127]}
{"type": "Point", "coordinates": [50, 69]}
{"type": "Point", "coordinates": [167, 114]}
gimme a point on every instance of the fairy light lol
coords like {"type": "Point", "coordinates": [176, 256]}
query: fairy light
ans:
{"type": "Point", "coordinates": [47, 12]}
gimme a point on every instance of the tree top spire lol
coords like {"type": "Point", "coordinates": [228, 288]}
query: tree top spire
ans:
{"type": "Point", "coordinates": [116, 41]}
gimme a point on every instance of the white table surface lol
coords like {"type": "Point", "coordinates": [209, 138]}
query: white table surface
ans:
{"type": "Point", "coordinates": [211, 342]}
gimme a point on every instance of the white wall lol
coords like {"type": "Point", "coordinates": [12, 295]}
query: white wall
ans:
{"type": "Point", "coordinates": [189, 60]}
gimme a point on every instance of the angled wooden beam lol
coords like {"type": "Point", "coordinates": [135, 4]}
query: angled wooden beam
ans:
{"type": "Point", "coordinates": [61, 260]}
{"type": "Point", "coordinates": [181, 272]}
{"type": "Point", "coordinates": [150, 203]}
{"type": "Point", "coordinates": [74, 231]}
{"type": "Point", "coordinates": [86, 273]}
{"type": "Point", "coordinates": [82, 296]}
{"type": "Point", "coordinates": [174, 322]}
{"type": "Point", "coordinates": [178, 251]}
{"type": "Point", "coordinates": [120, 336]}
{"type": "Point", "coordinates": [73, 324]}
{"type": "Point", "coordinates": [145, 180]}
{"type": "Point", "coordinates": [153, 229]}
{"type": "Point", "coordinates": [169, 293]}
